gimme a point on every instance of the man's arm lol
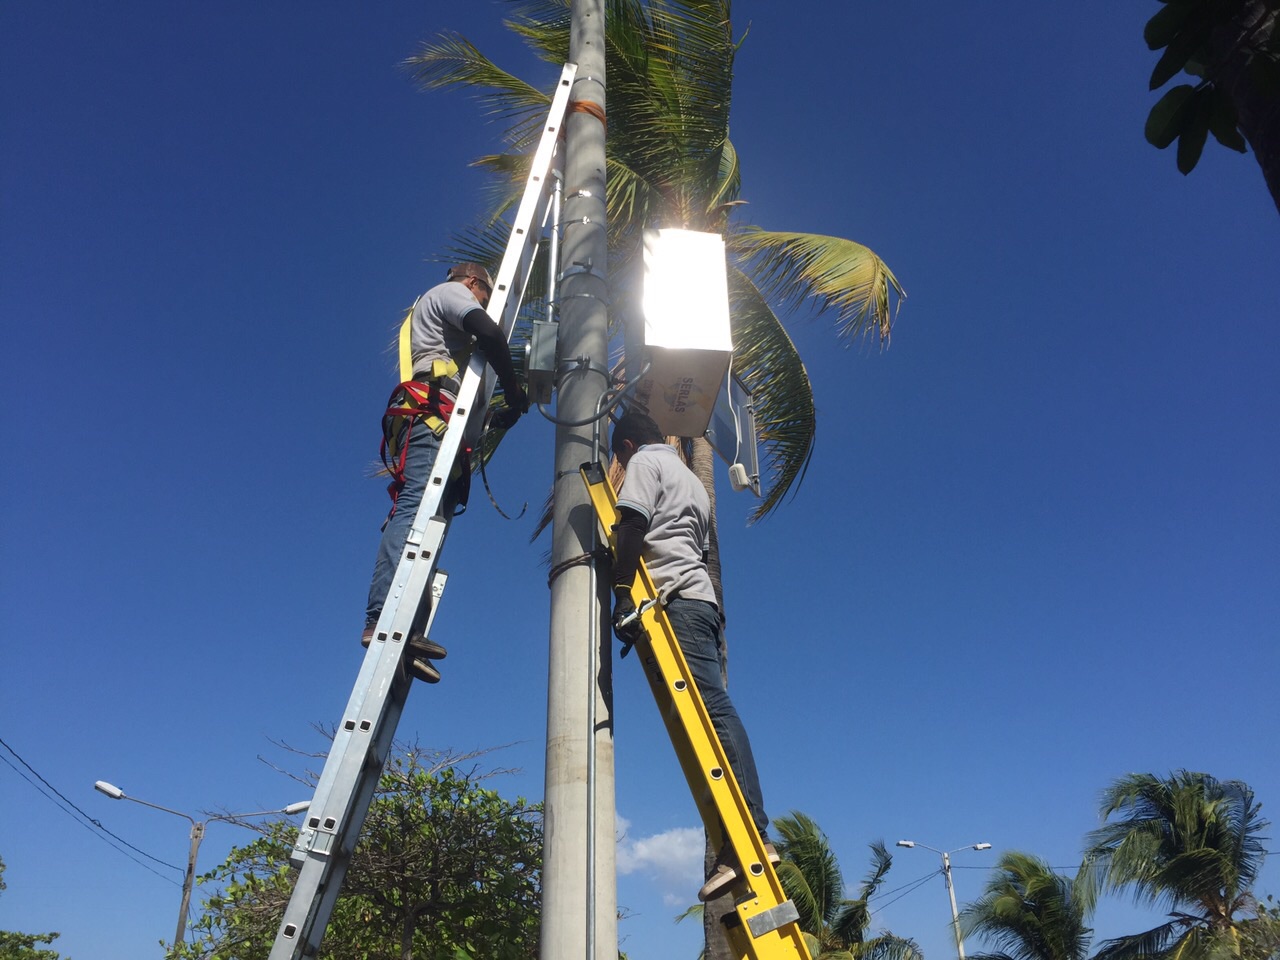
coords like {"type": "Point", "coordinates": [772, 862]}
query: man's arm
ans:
{"type": "Point", "coordinates": [630, 530]}
{"type": "Point", "coordinates": [493, 347]}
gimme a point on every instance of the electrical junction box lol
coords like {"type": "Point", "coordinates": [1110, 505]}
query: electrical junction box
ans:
{"type": "Point", "coordinates": [540, 361]}
{"type": "Point", "coordinates": [685, 308]}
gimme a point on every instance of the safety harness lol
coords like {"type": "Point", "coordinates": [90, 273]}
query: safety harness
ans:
{"type": "Point", "coordinates": [419, 402]}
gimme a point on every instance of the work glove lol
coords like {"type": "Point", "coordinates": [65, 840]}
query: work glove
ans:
{"type": "Point", "coordinates": [516, 398]}
{"type": "Point", "coordinates": [517, 404]}
{"type": "Point", "coordinates": [504, 419]}
{"type": "Point", "coordinates": [623, 607]}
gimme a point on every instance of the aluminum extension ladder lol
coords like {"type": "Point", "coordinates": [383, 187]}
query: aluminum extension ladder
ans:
{"type": "Point", "coordinates": [763, 923]}
{"type": "Point", "coordinates": [363, 738]}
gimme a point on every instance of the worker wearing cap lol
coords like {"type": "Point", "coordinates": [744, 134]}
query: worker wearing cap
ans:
{"type": "Point", "coordinates": [445, 325]}
{"type": "Point", "coordinates": [665, 518]}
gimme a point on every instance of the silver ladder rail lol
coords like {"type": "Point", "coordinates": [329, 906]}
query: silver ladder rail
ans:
{"type": "Point", "coordinates": [363, 739]}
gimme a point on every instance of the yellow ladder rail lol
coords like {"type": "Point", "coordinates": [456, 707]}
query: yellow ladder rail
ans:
{"type": "Point", "coordinates": [763, 925]}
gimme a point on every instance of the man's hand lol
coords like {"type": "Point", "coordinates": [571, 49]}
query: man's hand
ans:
{"type": "Point", "coordinates": [504, 419]}
{"type": "Point", "coordinates": [623, 607]}
{"type": "Point", "coordinates": [517, 404]}
{"type": "Point", "coordinates": [516, 398]}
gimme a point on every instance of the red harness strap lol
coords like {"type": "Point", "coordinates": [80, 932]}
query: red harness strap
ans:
{"type": "Point", "coordinates": [410, 401]}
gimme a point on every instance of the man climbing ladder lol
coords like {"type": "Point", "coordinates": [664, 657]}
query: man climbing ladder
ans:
{"type": "Point", "coordinates": [367, 727]}
{"type": "Point", "coordinates": [665, 515]}
{"type": "Point", "coordinates": [762, 924]}
{"type": "Point", "coordinates": [436, 342]}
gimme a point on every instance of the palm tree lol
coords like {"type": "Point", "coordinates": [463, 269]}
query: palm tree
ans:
{"type": "Point", "coordinates": [834, 928]}
{"type": "Point", "coordinates": [1188, 843]}
{"type": "Point", "coordinates": [1031, 913]}
{"type": "Point", "coordinates": [671, 163]}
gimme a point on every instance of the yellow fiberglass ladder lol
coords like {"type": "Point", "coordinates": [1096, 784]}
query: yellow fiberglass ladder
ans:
{"type": "Point", "coordinates": [763, 923]}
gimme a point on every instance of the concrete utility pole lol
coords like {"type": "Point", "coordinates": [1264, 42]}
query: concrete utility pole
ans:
{"type": "Point", "coordinates": [579, 887]}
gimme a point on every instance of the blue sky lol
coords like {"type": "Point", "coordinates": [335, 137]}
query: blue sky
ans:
{"type": "Point", "coordinates": [1036, 548]}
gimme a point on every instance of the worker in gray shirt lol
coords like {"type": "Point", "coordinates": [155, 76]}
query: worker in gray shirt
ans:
{"type": "Point", "coordinates": [665, 518]}
{"type": "Point", "coordinates": [446, 324]}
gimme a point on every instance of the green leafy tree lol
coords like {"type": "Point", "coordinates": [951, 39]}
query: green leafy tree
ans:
{"type": "Point", "coordinates": [1188, 843]}
{"type": "Point", "coordinates": [24, 946]}
{"type": "Point", "coordinates": [1029, 912]}
{"type": "Point", "coordinates": [1231, 51]}
{"type": "Point", "coordinates": [1261, 935]}
{"type": "Point", "coordinates": [835, 928]}
{"type": "Point", "coordinates": [445, 869]}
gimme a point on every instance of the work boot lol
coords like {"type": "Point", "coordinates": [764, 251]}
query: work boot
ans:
{"type": "Point", "coordinates": [423, 670]}
{"type": "Point", "coordinates": [419, 645]}
{"type": "Point", "coordinates": [426, 647]}
{"type": "Point", "coordinates": [725, 871]}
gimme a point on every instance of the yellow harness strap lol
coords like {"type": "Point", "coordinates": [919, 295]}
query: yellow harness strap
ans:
{"type": "Point", "coordinates": [440, 369]}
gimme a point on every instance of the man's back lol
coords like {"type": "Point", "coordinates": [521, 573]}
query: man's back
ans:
{"type": "Point", "coordinates": [661, 488]}
{"type": "Point", "coordinates": [437, 327]}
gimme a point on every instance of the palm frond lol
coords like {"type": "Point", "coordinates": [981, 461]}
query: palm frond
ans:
{"type": "Point", "coordinates": [544, 26]}
{"type": "Point", "coordinates": [768, 363]}
{"type": "Point", "coordinates": [631, 198]}
{"type": "Point", "coordinates": [888, 947]}
{"type": "Point", "coordinates": [1029, 912]}
{"type": "Point", "coordinates": [1243, 822]}
{"type": "Point", "coordinates": [839, 275]}
{"type": "Point", "coordinates": [807, 899]}
{"type": "Point", "coordinates": [1154, 944]}
{"type": "Point", "coordinates": [851, 922]}
{"type": "Point", "coordinates": [807, 857]}
{"type": "Point", "coordinates": [694, 911]}
{"type": "Point", "coordinates": [670, 83]}
{"type": "Point", "coordinates": [452, 60]}
{"type": "Point", "coordinates": [729, 185]}
{"type": "Point", "coordinates": [1188, 840]}
{"type": "Point", "coordinates": [881, 861]}
{"type": "Point", "coordinates": [502, 193]}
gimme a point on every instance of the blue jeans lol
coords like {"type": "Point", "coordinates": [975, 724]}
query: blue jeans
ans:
{"type": "Point", "coordinates": [423, 448]}
{"type": "Point", "coordinates": [697, 627]}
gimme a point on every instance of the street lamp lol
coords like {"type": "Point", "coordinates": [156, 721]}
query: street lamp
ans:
{"type": "Point", "coordinates": [197, 834]}
{"type": "Point", "coordinates": [946, 874]}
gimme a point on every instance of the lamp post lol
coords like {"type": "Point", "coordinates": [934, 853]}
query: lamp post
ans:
{"type": "Point", "coordinates": [197, 834]}
{"type": "Point", "coordinates": [951, 890]}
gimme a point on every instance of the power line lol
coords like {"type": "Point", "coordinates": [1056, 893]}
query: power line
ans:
{"type": "Point", "coordinates": [91, 822]}
{"type": "Point", "coordinates": [907, 888]}
{"type": "Point", "coordinates": [909, 883]}
{"type": "Point", "coordinates": [81, 823]}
